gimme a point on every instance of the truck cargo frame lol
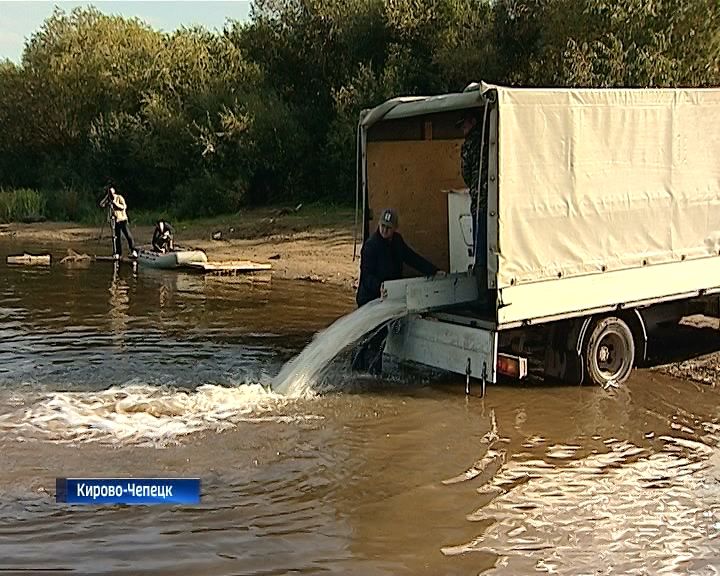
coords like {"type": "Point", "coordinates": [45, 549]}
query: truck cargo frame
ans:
{"type": "Point", "coordinates": [603, 221]}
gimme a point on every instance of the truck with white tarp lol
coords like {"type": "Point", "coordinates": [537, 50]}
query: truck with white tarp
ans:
{"type": "Point", "coordinates": [603, 221]}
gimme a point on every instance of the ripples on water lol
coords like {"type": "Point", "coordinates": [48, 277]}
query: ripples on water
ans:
{"type": "Point", "coordinates": [157, 374]}
{"type": "Point", "coordinates": [137, 412]}
{"type": "Point", "coordinates": [625, 510]}
{"type": "Point", "coordinates": [112, 354]}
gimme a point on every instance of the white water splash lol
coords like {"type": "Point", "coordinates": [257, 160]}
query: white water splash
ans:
{"type": "Point", "coordinates": [137, 414]}
{"type": "Point", "coordinates": [299, 376]}
{"type": "Point", "coordinates": [141, 414]}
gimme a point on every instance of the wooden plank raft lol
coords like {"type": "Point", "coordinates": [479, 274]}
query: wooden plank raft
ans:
{"type": "Point", "coordinates": [229, 267]}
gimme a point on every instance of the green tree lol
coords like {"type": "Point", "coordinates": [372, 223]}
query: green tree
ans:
{"type": "Point", "coordinates": [267, 110]}
{"type": "Point", "coordinates": [606, 43]}
{"type": "Point", "coordinates": [15, 138]}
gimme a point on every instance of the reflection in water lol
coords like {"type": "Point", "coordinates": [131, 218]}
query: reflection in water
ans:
{"type": "Point", "coordinates": [162, 355]}
{"type": "Point", "coordinates": [164, 294]}
{"type": "Point", "coordinates": [119, 304]}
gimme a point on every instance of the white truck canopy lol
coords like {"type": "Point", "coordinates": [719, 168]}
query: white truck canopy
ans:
{"type": "Point", "coordinates": [600, 180]}
{"type": "Point", "coordinates": [594, 180]}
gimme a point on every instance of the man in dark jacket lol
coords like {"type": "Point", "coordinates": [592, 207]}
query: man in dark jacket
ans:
{"type": "Point", "coordinates": [162, 240]}
{"type": "Point", "coordinates": [381, 259]}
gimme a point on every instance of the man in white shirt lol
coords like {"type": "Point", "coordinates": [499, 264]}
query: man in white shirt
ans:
{"type": "Point", "coordinates": [119, 219]}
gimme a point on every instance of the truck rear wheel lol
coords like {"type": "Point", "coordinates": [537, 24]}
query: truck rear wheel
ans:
{"type": "Point", "coordinates": [609, 352]}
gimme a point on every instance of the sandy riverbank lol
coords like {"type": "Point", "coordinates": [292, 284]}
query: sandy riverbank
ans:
{"type": "Point", "coordinates": [296, 247]}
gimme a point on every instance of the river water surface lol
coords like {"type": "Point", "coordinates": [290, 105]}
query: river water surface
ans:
{"type": "Point", "coordinates": [110, 371]}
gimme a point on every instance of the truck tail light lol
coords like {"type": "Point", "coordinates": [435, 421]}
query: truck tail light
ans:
{"type": "Point", "coordinates": [513, 366]}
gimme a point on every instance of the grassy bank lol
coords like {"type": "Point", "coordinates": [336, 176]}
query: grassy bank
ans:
{"type": "Point", "coordinates": [61, 205]}
{"type": "Point", "coordinates": [22, 205]}
{"type": "Point", "coordinates": [245, 224]}
{"type": "Point", "coordinates": [71, 205]}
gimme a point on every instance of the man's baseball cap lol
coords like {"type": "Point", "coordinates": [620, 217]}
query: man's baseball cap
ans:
{"type": "Point", "coordinates": [389, 218]}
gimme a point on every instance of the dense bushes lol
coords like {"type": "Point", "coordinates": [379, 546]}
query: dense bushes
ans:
{"type": "Point", "coordinates": [21, 205]}
{"type": "Point", "coordinates": [200, 123]}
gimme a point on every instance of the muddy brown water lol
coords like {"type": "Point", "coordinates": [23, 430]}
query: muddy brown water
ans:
{"type": "Point", "coordinates": [109, 371]}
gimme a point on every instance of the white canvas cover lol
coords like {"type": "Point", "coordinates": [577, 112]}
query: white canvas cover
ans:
{"type": "Point", "coordinates": [594, 180]}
